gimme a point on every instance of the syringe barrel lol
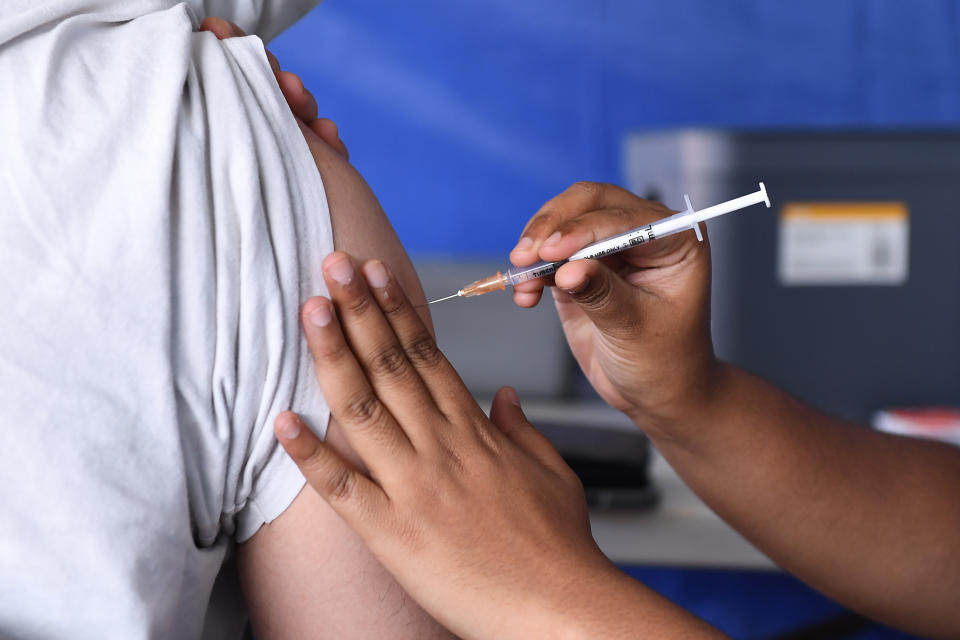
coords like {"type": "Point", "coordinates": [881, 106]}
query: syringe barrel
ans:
{"type": "Point", "coordinates": [668, 226]}
{"type": "Point", "coordinates": [516, 275]}
{"type": "Point", "coordinates": [660, 229]}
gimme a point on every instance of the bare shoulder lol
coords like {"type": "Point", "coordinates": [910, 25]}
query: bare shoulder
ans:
{"type": "Point", "coordinates": [360, 226]}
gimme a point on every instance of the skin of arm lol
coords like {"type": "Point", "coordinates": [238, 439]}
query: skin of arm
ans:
{"type": "Point", "coordinates": [479, 518]}
{"type": "Point", "coordinates": [307, 574]}
{"type": "Point", "coordinates": [872, 520]}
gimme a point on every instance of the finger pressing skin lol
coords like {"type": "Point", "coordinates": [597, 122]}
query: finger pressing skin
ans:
{"type": "Point", "coordinates": [272, 59]}
{"type": "Point", "coordinates": [301, 101]}
{"type": "Point", "coordinates": [367, 425]}
{"type": "Point", "coordinates": [357, 499]}
{"type": "Point", "coordinates": [377, 348]}
{"type": "Point", "coordinates": [440, 379]}
{"type": "Point", "coordinates": [237, 31]}
{"type": "Point", "coordinates": [218, 27]}
{"type": "Point", "coordinates": [315, 142]}
{"type": "Point", "coordinates": [223, 30]}
{"type": "Point", "coordinates": [330, 133]}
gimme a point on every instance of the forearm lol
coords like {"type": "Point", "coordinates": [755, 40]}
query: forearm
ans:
{"type": "Point", "coordinates": [870, 519]}
{"type": "Point", "coordinates": [610, 604]}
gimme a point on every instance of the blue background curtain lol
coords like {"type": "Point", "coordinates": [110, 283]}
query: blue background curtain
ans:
{"type": "Point", "coordinates": [466, 116]}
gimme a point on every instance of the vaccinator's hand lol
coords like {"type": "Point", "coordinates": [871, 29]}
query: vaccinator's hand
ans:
{"type": "Point", "coordinates": [478, 518]}
{"type": "Point", "coordinates": [636, 321]}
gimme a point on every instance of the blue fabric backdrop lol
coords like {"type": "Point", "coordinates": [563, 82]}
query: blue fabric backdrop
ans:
{"type": "Point", "coordinates": [465, 116]}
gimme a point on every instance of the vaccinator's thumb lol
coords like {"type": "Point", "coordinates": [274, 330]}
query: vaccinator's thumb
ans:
{"type": "Point", "coordinates": [601, 294]}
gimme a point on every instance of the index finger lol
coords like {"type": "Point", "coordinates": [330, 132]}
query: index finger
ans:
{"type": "Point", "coordinates": [221, 28]}
{"type": "Point", "coordinates": [576, 200]}
{"type": "Point", "coordinates": [369, 426]}
{"type": "Point", "coordinates": [444, 385]}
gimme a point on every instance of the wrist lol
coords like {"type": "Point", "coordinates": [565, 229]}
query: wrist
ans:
{"type": "Point", "coordinates": [681, 407]}
{"type": "Point", "coordinates": [611, 604]}
{"type": "Point", "coordinates": [591, 603]}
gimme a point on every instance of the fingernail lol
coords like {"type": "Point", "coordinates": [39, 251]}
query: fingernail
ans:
{"type": "Point", "coordinates": [289, 427]}
{"type": "Point", "coordinates": [341, 270]}
{"type": "Point", "coordinates": [376, 274]}
{"type": "Point", "coordinates": [321, 316]}
{"type": "Point", "coordinates": [513, 397]}
{"type": "Point", "coordinates": [553, 239]}
{"type": "Point", "coordinates": [524, 244]}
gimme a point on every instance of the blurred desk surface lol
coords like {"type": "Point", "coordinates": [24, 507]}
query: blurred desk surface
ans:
{"type": "Point", "coordinates": [679, 531]}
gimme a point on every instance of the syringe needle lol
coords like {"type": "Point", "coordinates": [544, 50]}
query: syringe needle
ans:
{"type": "Point", "coordinates": [442, 299]}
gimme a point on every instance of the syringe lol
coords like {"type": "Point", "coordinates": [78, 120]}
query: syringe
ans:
{"type": "Point", "coordinates": [688, 219]}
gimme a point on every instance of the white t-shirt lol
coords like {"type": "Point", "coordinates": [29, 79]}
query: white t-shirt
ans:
{"type": "Point", "coordinates": [161, 220]}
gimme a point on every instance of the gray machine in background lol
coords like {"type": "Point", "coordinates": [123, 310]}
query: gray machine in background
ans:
{"type": "Point", "coordinates": [847, 342]}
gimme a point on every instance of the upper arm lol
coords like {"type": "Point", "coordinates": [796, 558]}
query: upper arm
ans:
{"type": "Point", "coordinates": [307, 574]}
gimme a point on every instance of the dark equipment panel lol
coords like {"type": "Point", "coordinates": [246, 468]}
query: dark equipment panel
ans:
{"type": "Point", "coordinates": [849, 350]}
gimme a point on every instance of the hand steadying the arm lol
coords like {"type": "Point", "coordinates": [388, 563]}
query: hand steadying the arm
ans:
{"type": "Point", "coordinates": [479, 519]}
{"type": "Point", "coordinates": [870, 519]}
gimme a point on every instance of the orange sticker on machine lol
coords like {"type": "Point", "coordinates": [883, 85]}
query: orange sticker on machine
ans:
{"type": "Point", "coordinates": [843, 211]}
{"type": "Point", "coordinates": [844, 243]}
